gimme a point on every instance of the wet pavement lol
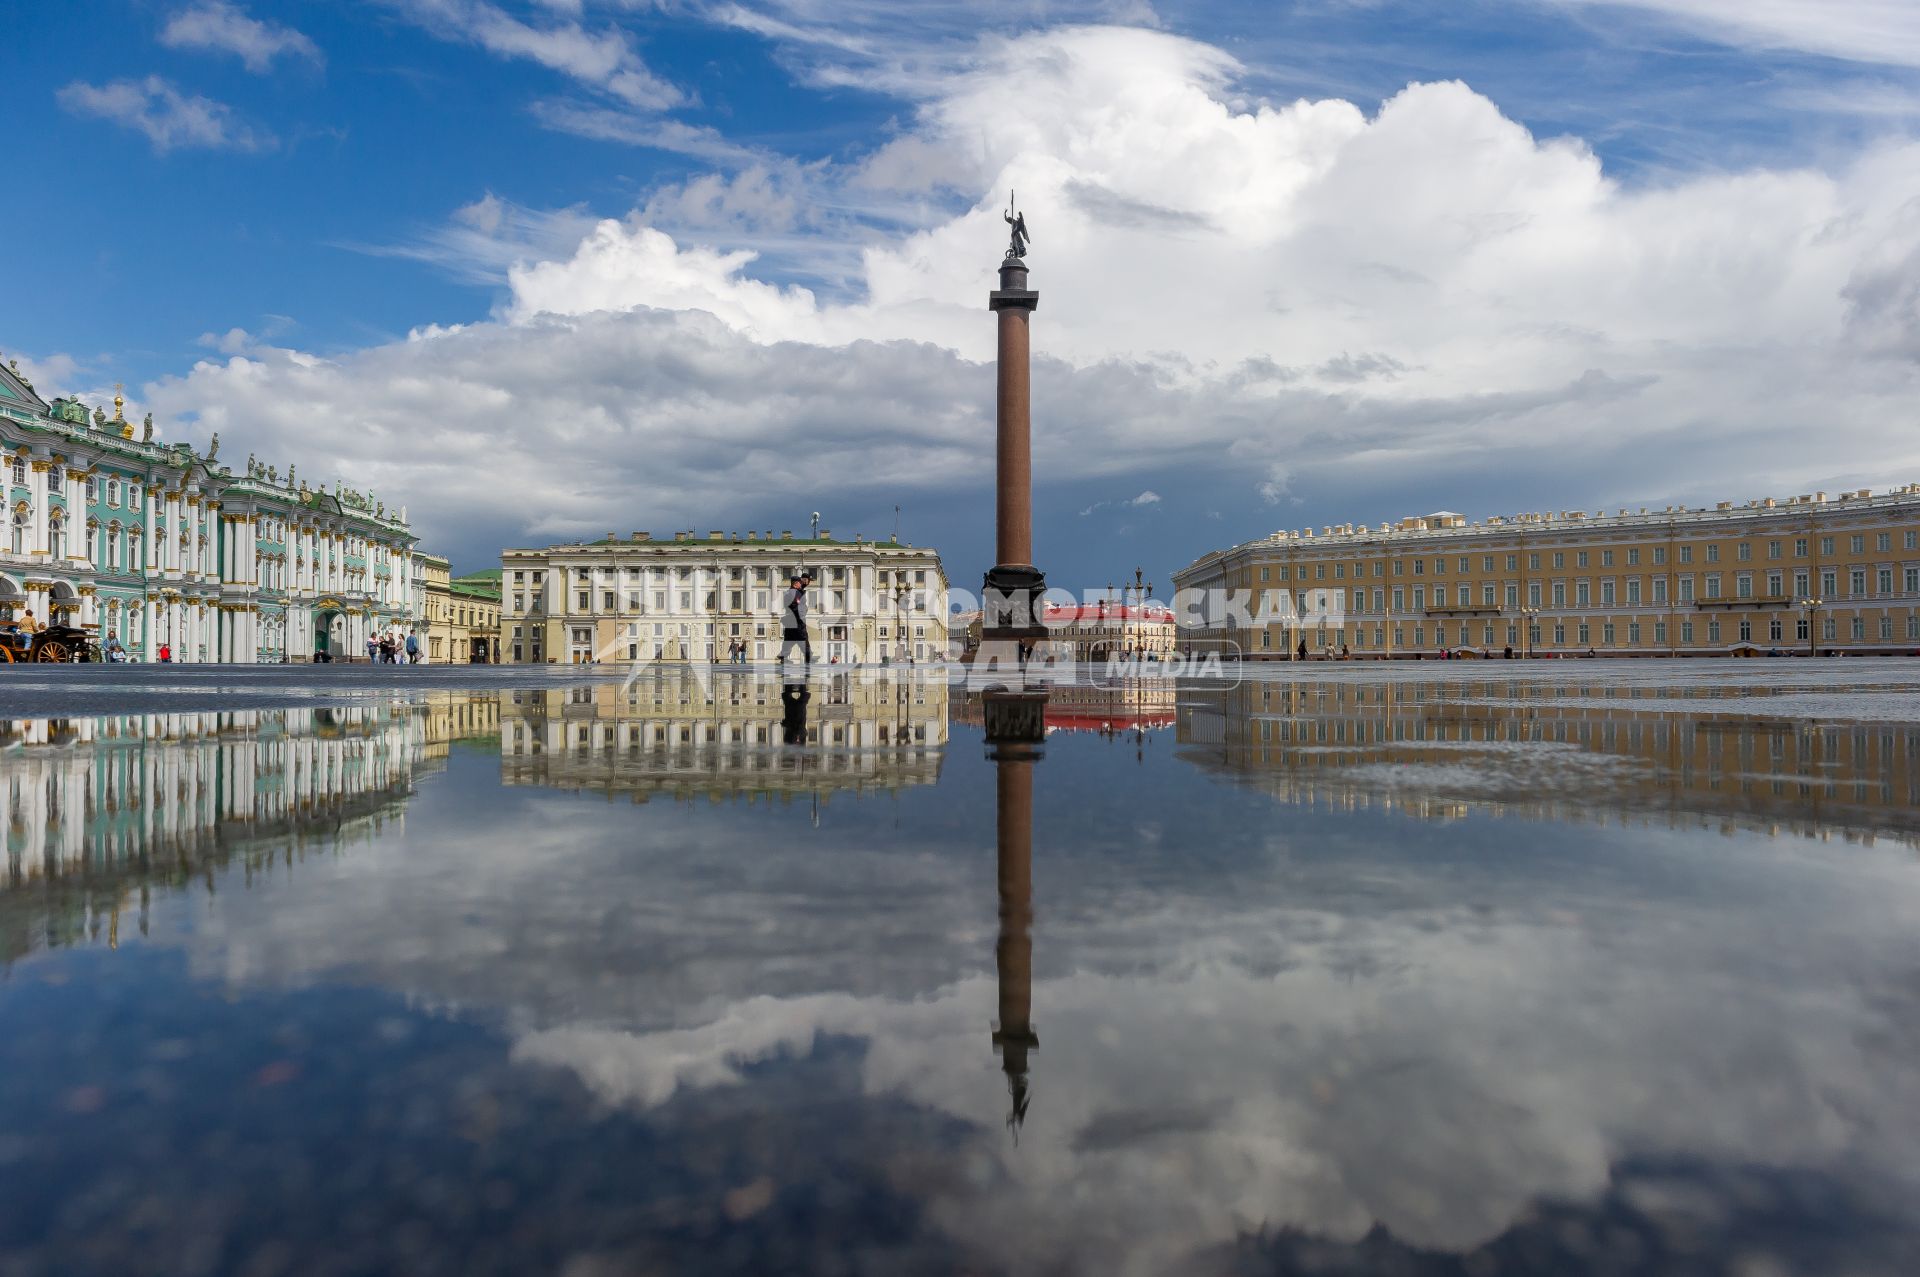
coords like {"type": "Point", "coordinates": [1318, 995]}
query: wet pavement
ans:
{"type": "Point", "coordinates": [1541, 967]}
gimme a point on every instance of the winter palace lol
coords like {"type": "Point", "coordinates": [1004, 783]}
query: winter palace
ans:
{"type": "Point", "coordinates": [155, 544]}
{"type": "Point", "coordinates": [1809, 573]}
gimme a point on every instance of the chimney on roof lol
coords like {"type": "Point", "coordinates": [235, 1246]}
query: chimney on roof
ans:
{"type": "Point", "coordinates": [825, 535]}
{"type": "Point", "coordinates": [753, 536]}
{"type": "Point", "coordinates": [643, 536]}
{"type": "Point", "coordinates": [786, 534]}
{"type": "Point", "coordinates": [1820, 497]}
{"type": "Point", "coordinates": [716, 536]}
{"type": "Point", "coordinates": [610, 535]}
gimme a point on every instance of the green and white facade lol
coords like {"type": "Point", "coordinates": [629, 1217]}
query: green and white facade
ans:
{"type": "Point", "coordinates": [156, 544]}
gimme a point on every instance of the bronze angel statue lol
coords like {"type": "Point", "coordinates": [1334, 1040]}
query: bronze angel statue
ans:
{"type": "Point", "coordinates": [1018, 221]}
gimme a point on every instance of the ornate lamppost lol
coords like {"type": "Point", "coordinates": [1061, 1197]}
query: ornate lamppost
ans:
{"type": "Point", "coordinates": [1812, 609]}
{"type": "Point", "coordinates": [1527, 614]}
{"type": "Point", "coordinates": [1141, 589]}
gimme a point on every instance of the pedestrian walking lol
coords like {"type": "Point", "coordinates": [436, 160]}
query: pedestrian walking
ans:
{"type": "Point", "coordinates": [166, 649]}
{"type": "Point", "coordinates": [413, 647]}
{"type": "Point", "coordinates": [793, 619]}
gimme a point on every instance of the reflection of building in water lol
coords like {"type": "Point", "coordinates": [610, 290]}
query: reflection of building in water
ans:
{"type": "Point", "coordinates": [96, 808]}
{"type": "Point", "coordinates": [461, 716]}
{"type": "Point", "coordinates": [670, 731]}
{"type": "Point", "coordinates": [1108, 708]}
{"type": "Point", "coordinates": [1443, 749]}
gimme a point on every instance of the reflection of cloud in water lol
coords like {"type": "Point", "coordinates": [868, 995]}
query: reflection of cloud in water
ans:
{"type": "Point", "coordinates": [1279, 1019]}
{"type": "Point", "coordinates": [1492, 1064]}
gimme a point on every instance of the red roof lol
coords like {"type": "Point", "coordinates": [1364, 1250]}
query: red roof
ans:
{"type": "Point", "coordinates": [1061, 615]}
{"type": "Point", "coordinates": [1090, 718]}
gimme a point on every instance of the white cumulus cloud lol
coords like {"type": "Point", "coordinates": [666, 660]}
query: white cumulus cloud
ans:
{"type": "Point", "coordinates": [1271, 299]}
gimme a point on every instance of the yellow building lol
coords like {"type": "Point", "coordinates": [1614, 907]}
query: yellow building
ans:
{"type": "Point", "coordinates": [463, 614]}
{"type": "Point", "coordinates": [1836, 574]}
{"type": "Point", "coordinates": [432, 575]}
{"type": "Point", "coordinates": [643, 600]}
{"type": "Point", "coordinates": [473, 606]}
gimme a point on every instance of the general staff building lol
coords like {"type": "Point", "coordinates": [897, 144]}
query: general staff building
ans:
{"type": "Point", "coordinates": [1833, 574]}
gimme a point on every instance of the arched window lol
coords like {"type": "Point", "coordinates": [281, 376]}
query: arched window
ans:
{"type": "Point", "coordinates": [113, 492]}
{"type": "Point", "coordinates": [22, 529]}
{"type": "Point", "coordinates": [113, 546]}
{"type": "Point", "coordinates": [94, 552]}
{"type": "Point", "coordinates": [57, 534]}
{"type": "Point", "coordinates": [136, 547]}
{"type": "Point", "coordinates": [20, 471]}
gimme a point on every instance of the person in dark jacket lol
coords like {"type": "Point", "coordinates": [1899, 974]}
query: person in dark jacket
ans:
{"type": "Point", "coordinates": [793, 620]}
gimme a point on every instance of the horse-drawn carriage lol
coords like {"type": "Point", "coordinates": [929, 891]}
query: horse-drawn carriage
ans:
{"type": "Point", "coordinates": [56, 644]}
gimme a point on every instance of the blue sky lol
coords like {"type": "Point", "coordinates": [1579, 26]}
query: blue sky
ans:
{"type": "Point", "coordinates": [1674, 224]}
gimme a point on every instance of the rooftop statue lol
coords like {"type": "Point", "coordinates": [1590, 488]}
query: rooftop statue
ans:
{"type": "Point", "coordinates": [148, 436]}
{"type": "Point", "coordinates": [213, 448]}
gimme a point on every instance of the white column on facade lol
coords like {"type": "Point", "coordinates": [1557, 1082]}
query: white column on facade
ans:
{"type": "Point", "coordinates": [168, 559]}
{"type": "Point", "coordinates": [37, 492]}
{"type": "Point", "coordinates": [65, 483]}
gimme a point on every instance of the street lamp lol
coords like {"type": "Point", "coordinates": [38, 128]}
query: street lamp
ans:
{"type": "Point", "coordinates": [1812, 608]}
{"type": "Point", "coordinates": [1141, 588]}
{"type": "Point", "coordinates": [1529, 613]}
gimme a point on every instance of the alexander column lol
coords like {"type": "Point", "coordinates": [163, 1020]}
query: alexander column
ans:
{"type": "Point", "coordinates": [1011, 607]}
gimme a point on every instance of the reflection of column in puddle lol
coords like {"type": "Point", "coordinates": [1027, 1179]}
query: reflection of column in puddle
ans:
{"type": "Point", "coordinates": [1015, 726]}
{"type": "Point", "coordinates": [1013, 955]}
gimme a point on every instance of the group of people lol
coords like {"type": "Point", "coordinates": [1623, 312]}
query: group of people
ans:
{"type": "Point", "coordinates": [395, 649]}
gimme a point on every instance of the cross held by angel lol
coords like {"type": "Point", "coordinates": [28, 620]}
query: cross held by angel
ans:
{"type": "Point", "coordinates": [1017, 247]}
